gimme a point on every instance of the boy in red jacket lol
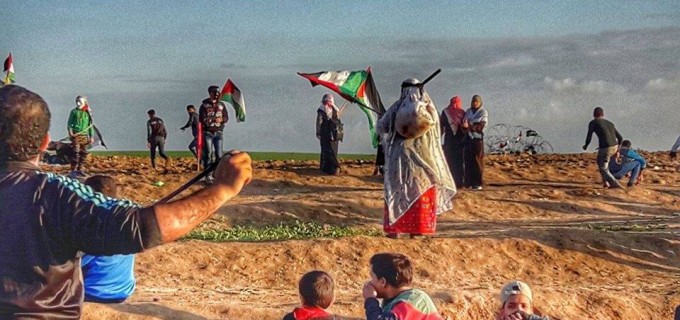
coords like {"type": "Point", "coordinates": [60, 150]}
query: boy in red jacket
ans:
{"type": "Point", "coordinates": [317, 294]}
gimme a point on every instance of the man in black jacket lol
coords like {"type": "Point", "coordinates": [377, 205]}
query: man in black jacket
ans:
{"type": "Point", "coordinates": [193, 123]}
{"type": "Point", "coordinates": [155, 138]}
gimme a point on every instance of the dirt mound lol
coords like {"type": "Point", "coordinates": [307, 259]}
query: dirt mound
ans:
{"type": "Point", "coordinates": [587, 252]}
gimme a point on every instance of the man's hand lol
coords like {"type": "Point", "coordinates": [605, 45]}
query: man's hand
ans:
{"type": "Point", "coordinates": [182, 129]}
{"type": "Point", "coordinates": [148, 145]}
{"type": "Point", "coordinates": [91, 140]}
{"type": "Point", "coordinates": [369, 291]}
{"type": "Point", "coordinates": [519, 315]}
{"type": "Point", "coordinates": [673, 155]}
{"type": "Point", "coordinates": [318, 137]}
{"type": "Point", "coordinates": [585, 147]}
{"type": "Point", "coordinates": [234, 171]}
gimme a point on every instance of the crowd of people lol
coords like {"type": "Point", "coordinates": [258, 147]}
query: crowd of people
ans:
{"type": "Point", "coordinates": [53, 218]}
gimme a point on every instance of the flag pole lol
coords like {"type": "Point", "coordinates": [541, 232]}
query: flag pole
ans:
{"type": "Point", "coordinates": [342, 108]}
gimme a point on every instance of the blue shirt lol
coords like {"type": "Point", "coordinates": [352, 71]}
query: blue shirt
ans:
{"type": "Point", "coordinates": [108, 278]}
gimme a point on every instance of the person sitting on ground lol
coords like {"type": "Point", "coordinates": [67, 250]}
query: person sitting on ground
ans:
{"type": "Point", "coordinates": [517, 303]}
{"type": "Point", "coordinates": [619, 169]}
{"type": "Point", "coordinates": [628, 155]}
{"type": "Point", "coordinates": [48, 219]}
{"type": "Point", "coordinates": [317, 294]}
{"type": "Point", "coordinates": [391, 275]}
{"type": "Point", "coordinates": [107, 279]}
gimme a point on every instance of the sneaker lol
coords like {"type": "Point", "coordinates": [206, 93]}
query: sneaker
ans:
{"type": "Point", "coordinates": [476, 188]}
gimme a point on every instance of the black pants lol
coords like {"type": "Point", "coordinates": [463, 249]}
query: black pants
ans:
{"type": "Point", "coordinates": [474, 162]}
{"type": "Point", "coordinates": [160, 143]}
{"type": "Point", "coordinates": [455, 158]}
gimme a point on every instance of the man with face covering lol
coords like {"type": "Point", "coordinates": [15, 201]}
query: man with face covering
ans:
{"type": "Point", "coordinates": [325, 116]}
{"type": "Point", "coordinates": [418, 183]}
{"type": "Point", "coordinates": [81, 133]}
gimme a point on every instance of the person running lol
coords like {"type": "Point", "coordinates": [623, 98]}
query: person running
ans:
{"type": "Point", "coordinates": [418, 183]}
{"type": "Point", "coordinates": [107, 279]}
{"type": "Point", "coordinates": [391, 276]}
{"type": "Point", "coordinates": [476, 119]}
{"type": "Point", "coordinates": [325, 115]}
{"type": "Point", "coordinates": [609, 141]}
{"type": "Point", "coordinates": [213, 116]}
{"type": "Point", "coordinates": [155, 137]}
{"type": "Point", "coordinates": [53, 218]}
{"type": "Point", "coordinates": [81, 134]}
{"type": "Point", "coordinates": [193, 123]}
{"type": "Point", "coordinates": [451, 122]}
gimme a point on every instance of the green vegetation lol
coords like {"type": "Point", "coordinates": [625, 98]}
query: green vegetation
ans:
{"type": "Point", "coordinates": [258, 156]}
{"type": "Point", "coordinates": [631, 227]}
{"type": "Point", "coordinates": [291, 231]}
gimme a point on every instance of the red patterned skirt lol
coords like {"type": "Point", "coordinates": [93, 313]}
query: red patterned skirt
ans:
{"type": "Point", "coordinates": [421, 217]}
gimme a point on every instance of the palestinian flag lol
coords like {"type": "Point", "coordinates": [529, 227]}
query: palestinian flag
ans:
{"type": "Point", "coordinates": [355, 86]}
{"type": "Point", "coordinates": [231, 94]}
{"type": "Point", "coordinates": [9, 68]}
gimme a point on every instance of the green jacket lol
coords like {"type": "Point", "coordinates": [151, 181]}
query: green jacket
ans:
{"type": "Point", "coordinates": [79, 122]}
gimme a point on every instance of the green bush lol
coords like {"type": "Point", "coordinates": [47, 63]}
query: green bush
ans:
{"type": "Point", "coordinates": [290, 231]}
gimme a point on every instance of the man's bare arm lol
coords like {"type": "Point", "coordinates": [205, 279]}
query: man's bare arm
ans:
{"type": "Point", "coordinates": [177, 218]}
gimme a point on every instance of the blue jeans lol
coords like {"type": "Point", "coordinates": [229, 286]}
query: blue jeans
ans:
{"type": "Point", "coordinates": [212, 147]}
{"type": "Point", "coordinates": [633, 167]}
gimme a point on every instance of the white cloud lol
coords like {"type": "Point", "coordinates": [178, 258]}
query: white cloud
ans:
{"type": "Point", "coordinates": [589, 86]}
{"type": "Point", "coordinates": [661, 84]}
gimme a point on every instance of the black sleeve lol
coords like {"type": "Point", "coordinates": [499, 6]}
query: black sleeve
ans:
{"type": "Point", "coordinates": [591, 129]}
{"type": "Point", "coordinates": [374, 312]}
{"type": "Point", "coordinates": [319, 121]}
{"type": "Point", "coordinates": [95, 224]}
{"type": "Point", "coordinates": [619, 137]}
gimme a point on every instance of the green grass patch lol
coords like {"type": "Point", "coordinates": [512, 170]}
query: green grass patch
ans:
{"type": "Point", "coordinates": [257, 156]}
{"type": "Point", "coordinates": [628, 227]}
{"type": "Point", "coordinates": [283, 231]}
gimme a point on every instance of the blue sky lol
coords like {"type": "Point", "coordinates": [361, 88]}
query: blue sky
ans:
{"type": "Point", "coordinates": [540, 64]}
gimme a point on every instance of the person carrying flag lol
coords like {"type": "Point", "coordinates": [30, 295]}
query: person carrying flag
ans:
{"type": "Point", "coordinates": [212, 116]}
{"type": "Point", "coordinates": [80, 132]}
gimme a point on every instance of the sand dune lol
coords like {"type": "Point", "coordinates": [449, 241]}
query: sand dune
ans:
{"type": "Point", "coordinates": [589, 253]}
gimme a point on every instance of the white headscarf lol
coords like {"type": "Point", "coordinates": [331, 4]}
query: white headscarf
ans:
{"type": "Point", "coordinates": [413, 166]}
{"type": "Point", "coordinates": [328, 105]}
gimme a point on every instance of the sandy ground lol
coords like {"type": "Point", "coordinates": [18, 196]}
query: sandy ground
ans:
{"type": "Point", "coordinates": [539, 219]}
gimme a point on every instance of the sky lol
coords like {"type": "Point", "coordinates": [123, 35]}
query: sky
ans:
{"type": "Point", "coordinates": [539, 64]}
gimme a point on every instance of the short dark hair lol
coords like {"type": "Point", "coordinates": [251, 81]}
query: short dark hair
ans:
{"type": "Point", "coordinates": [316, 289]}
{"type": "Point", "coordinates": [395, 268]}
{"type": "Point", "coordinates": [104, 184]}
{"type": "Point", "coordinates": [213, 88]}
{"type": "Point", "coordinates": [598, 112]}
{"type": "Point", "coordinates": [151, 112]}
{"type": "Point", "coordinates": [626, 144]}
{"type": "Point", "coordinates": [24, 123]}
{"type": "Point", "coordinates": [191, 106]}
